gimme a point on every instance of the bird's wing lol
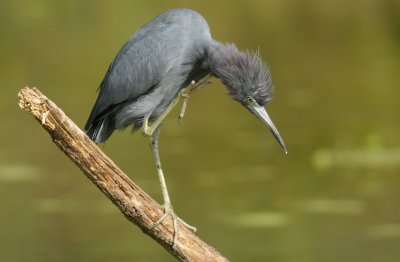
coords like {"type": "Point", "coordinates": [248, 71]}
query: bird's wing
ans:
{"type": "Point", "coordinates": [140, 65]}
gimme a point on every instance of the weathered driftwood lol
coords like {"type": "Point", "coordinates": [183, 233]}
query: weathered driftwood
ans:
{"type": "Point", "coordinates": [137, 206]}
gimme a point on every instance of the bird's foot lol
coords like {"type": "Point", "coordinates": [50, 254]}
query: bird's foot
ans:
{"type": "Point", "coordinates": [168, 211]}
{"type": "Point", "coordinates": [185, 95]}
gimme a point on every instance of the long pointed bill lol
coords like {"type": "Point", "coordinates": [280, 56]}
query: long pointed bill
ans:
{"type": "Point", "coordinates": [262, 114]}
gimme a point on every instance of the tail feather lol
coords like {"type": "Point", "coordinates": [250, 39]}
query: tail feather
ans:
{"type": "Point", "coordinates": [100, 130]}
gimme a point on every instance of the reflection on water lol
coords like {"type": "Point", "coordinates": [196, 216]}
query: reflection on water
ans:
{"type": "Point", "coordinates": [378, 158]}
{"type": "Point", "coordinates": [18, 173]}
{"type": "Point", "coordinates": [332, 206]}
{"type": "Point", "coordinates": [384, 231]}
{"type": "Point", "coordinates": [260, 220]}
{"type": "Point", "coordinates": [334, 197]}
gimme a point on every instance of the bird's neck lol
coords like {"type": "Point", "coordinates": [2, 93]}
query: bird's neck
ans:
{"type": "Point", "coordinates": [242, 72]}
{"type": "Point", "coordinates": [213, 51]}
{"type": "Point", "coordinates": [223, 61]}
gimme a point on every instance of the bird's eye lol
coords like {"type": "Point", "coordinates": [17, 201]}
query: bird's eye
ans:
{"type": "Point", "coordinates": [250, 100]}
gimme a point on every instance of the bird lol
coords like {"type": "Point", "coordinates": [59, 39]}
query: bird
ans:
{"type": "Point", "coordinates": [164, 62]}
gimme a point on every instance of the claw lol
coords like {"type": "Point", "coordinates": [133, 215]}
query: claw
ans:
{"type": "Point", "coordinates": [185, 94]}
{"type": "Point", "coordinates": [168, 211]}
{"type": "Point", "coordinates": [184, 105]}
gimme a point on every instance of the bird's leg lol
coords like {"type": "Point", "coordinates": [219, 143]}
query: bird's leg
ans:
{"type": "Point", "coordinates": [149, 130]}
{"type": "Point", "coordinates": [167, 202]}
{"type": "Point", "coordinates": [186, 92]}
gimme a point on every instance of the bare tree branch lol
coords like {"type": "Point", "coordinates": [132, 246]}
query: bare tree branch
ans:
{"type": "Point", "coordinates": [137, 206]}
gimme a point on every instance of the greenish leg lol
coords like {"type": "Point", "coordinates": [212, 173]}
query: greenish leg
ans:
{"type": "Point", "coordinates": [154, 131]}
{"type": "Point", "coordinates": [168, 210]}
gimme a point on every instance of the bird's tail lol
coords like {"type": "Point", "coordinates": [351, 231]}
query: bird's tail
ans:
{"type": "Point", "coordinates": [100, 129]}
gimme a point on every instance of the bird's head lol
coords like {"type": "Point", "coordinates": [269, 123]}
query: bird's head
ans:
{"type": "Point", "coordinates": [248, 81]}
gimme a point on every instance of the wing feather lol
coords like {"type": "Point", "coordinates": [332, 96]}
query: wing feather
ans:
{"type": "Point", "coordinates": [140, 65]}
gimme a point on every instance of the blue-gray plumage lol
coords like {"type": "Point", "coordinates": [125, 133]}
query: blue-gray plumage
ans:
{"type": "Point", "coordinates": [161, 58]}
{"type": "Point", "coordinates": [152, 70]}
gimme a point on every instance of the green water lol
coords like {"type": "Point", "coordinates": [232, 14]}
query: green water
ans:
{"type": "Point", "coordinates": [334, 197]}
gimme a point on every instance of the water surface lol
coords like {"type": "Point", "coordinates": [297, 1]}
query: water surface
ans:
{"type": "Point", "coordinates": [334, 197]}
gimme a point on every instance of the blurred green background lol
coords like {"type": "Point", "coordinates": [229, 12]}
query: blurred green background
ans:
{"type": "Point", "coordinates": [334, 197]}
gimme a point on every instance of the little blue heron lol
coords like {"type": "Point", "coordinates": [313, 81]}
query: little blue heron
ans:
{"type": "Point", "coordinates": [165, 61]}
